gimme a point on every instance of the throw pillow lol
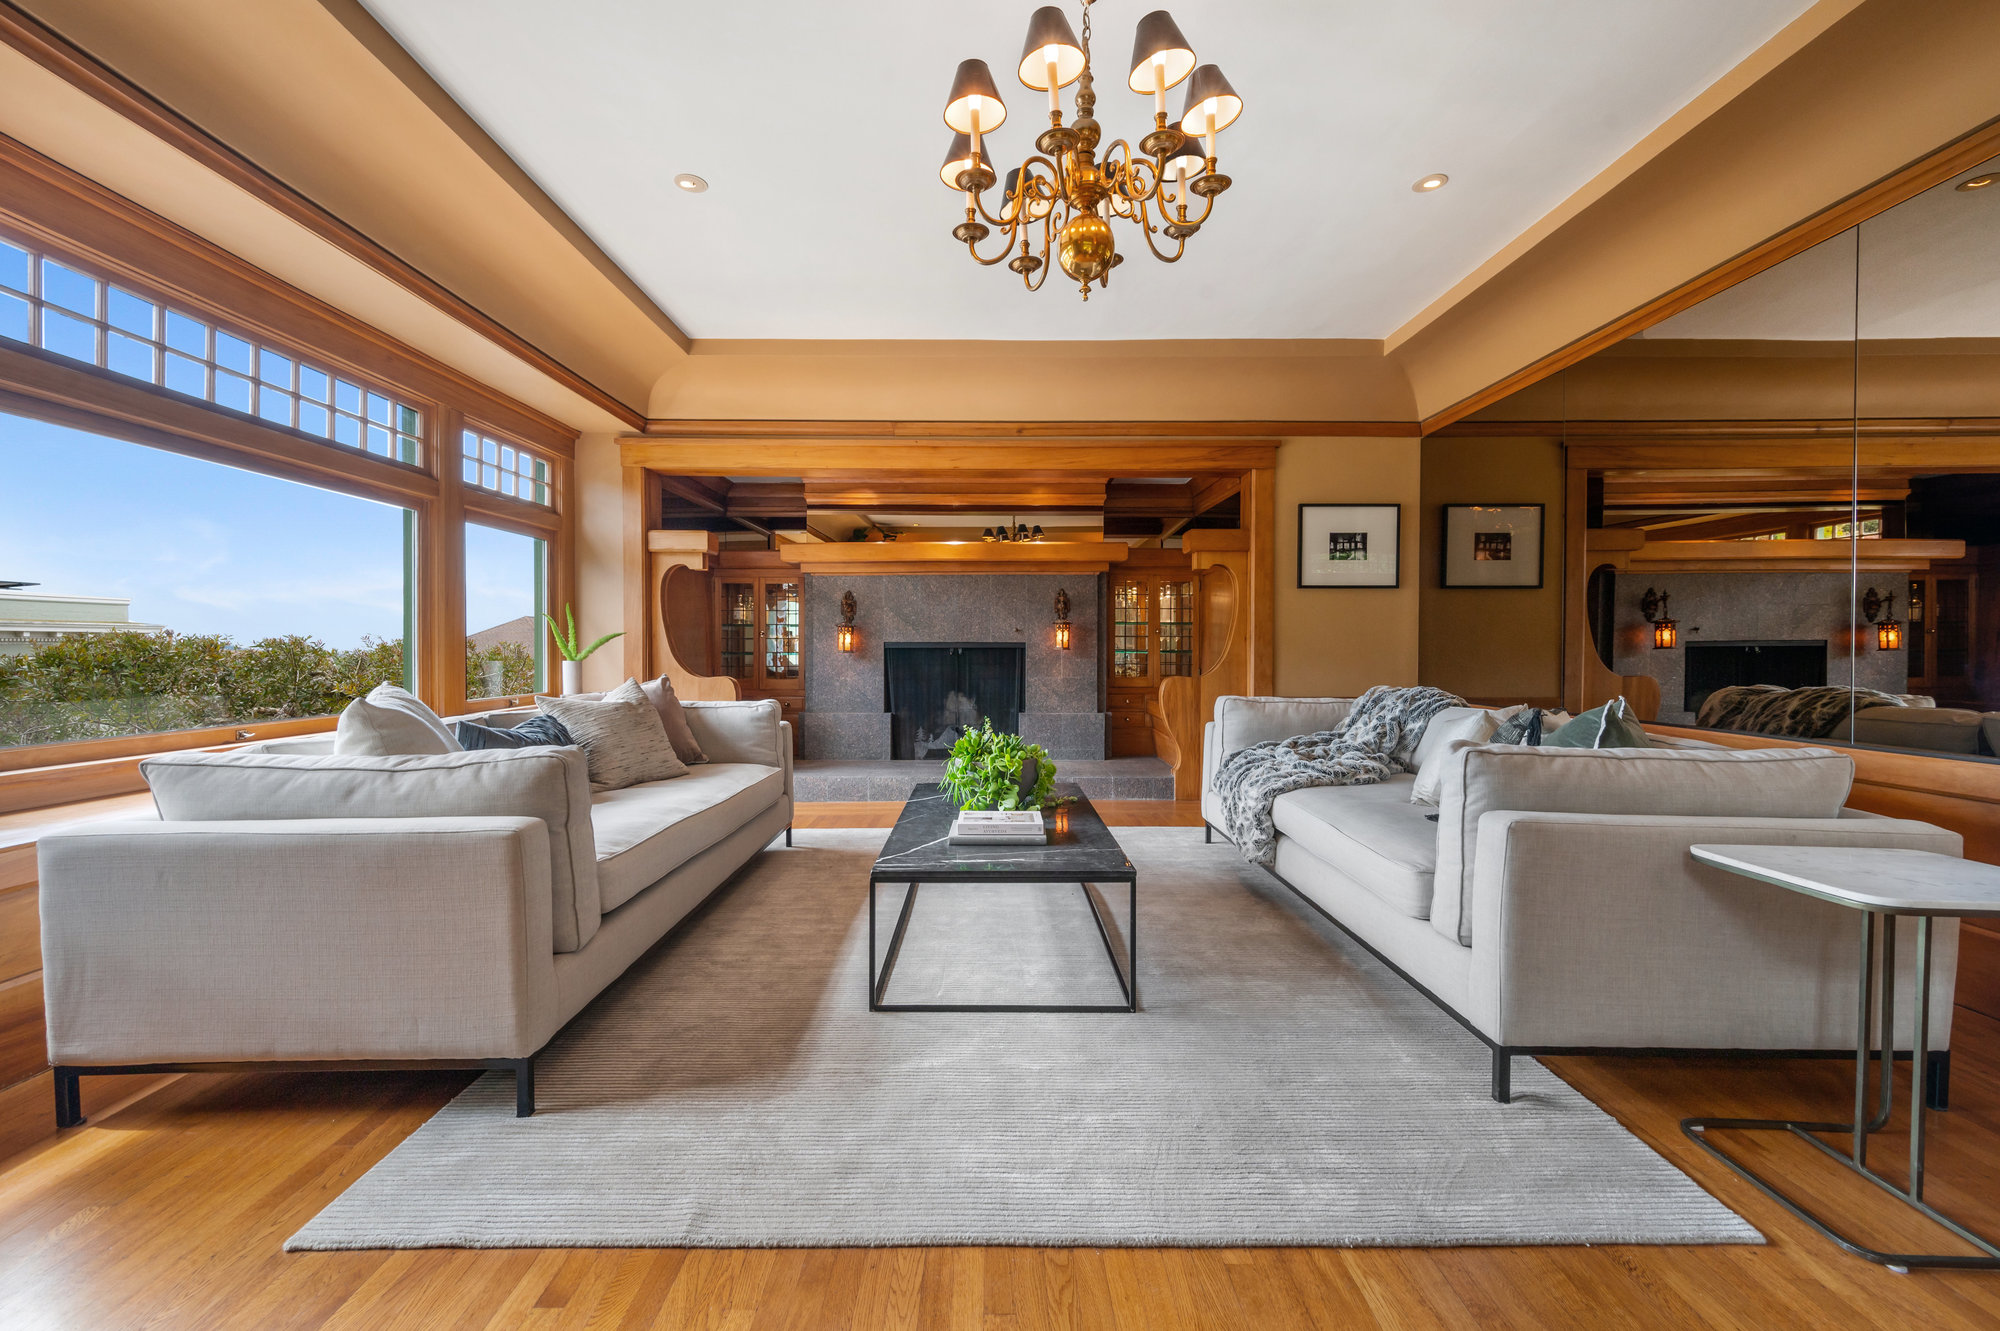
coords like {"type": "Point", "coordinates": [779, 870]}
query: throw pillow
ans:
{"type": "Point", "coordinates": [1611, 726]}
{"type": "Point", "coordinates": [536, 730]}
{"type": "Point", "coordinates": [622, 736]}
{"type": "Point", "coordinates": [1454, 734]}
{"type": "Point", "coordinates": [1528, 725]}
{"type": "Point", "coordinates": [660, 693]}
{"type": "Point", "coordinates": [389, 723]}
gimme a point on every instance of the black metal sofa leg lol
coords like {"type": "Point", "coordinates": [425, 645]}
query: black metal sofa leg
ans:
{"type": "Point", "coordinates": [1207, 833]}
{"type": "Point", "coordinates": [524, 1087]}
{"type": "Point", "coordinates": [1937, 1080]}
{"type": "Point", "coordinates": [69, 1097]}
{"type": "Point", "coordinates": [1503, 1075]}
{"type": "Point", "coordinates": [788, 834]}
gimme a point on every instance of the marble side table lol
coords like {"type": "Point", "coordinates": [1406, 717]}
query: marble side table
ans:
{"type": "Point", "coordinates": [1882, 884]}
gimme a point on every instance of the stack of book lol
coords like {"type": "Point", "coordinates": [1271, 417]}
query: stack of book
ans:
{"type": "Point", "coordinates": [996, 827]}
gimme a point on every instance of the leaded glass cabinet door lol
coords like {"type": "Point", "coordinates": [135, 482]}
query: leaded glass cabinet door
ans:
{"type": "Point", "coordinates": [738, 639]}
{"type": "Point", "coordinates": [1131, 631]}
{"type": "Point", "coordinates": [1176, 606]}
{"type": "Point", "coordinates": [781, 630]}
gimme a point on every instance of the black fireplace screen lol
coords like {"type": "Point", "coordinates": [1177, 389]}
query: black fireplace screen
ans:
{"type": "Point", "coordinates": [1794, 663]}
{"type": "Point", "coordinates": [937, 691]}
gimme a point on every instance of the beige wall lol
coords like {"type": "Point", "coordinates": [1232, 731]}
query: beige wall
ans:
{"type": "Point", "coordinates": [1492, 642]}
{"type": "Point", "coordinates": [1335, 642]}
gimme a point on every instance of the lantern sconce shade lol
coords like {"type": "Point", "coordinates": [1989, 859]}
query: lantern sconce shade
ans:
{"type": "Point", "coordinates": [974, 100]}
{"type": "Point", "coordinates": [1050, 38]}
{"type": "Point", "coordinates": [1209, 94]}
{"type": "Point", "coordinates": [1159, 44]}
{"type": "Point", "coordinates": [844, 636]}
{"type": "Point", "coordinates": [1653, 605]}
{"type": "Point", "coordinates": [1881, 612]}
{"type": "Point", "coordinates": [1062, 619]}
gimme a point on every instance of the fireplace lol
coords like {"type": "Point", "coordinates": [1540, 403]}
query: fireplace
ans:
{"type": "Point", "coordinates": [1792, 663]}
{"type": "Point", "coordinates": [935, 691]}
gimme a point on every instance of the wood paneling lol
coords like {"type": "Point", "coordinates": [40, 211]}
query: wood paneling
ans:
{"type": "Point", "coordinates": [844, 429]}
{"type": "Point", "coordinates": [996, 460]}
{"type": "Point", "coordinates": [865, 557]}
{"type": "Point", "coordinates": [20, 933]}
{"type": "Point", "coordinates": [24, 1044]}
{"type": "Point", "coordinates": [76, 67]}
{"type": "Point", "coordinates": [1863, 204]}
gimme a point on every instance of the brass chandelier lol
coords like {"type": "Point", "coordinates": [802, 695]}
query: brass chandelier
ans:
{"type": "Point", "coordinates": [1063, 189]}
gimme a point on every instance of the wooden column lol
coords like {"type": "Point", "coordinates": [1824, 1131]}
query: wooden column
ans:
{"type": "Point", "coordinates": [1578, 654]}
{"type": "Point", "coordinates": [635, 516]}
{"type": "Point", "coordinates": [441, 576]}
{"type": "Point", "coordinates": [1260, 520]}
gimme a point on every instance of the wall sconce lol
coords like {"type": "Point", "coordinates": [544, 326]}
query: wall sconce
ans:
{"type": "Point", "coordinates": [1881, 612]}
{"type": "Point", "coordinates": [1653, 605]}
{"type": "Point", "coordinates": [845, 634]}
{"type": "Point", "coordinates": [1062, 619]}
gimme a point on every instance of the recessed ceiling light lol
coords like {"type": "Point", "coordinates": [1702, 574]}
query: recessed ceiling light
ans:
{"type": "Point", "coordinates": [1429, 183]}
{"type": "Point", "coordinates": [1977, 182]}
{"type": "Point", "coordinates": [692, 184]}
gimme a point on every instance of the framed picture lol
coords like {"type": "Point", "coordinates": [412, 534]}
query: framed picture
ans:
{"type": "Point", "coordinates": [1350, 545]}
{"type": "Point", "coordinates": [1492, 545]}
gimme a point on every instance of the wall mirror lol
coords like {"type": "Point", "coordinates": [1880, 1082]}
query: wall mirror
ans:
{"type": "Point", "coordinates": [1791, 491]}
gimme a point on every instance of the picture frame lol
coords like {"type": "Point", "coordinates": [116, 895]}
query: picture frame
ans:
{"type": "Point", "coordinates": [1492, 546]}
{"type": "Point", "coordinates": [1350, 545]}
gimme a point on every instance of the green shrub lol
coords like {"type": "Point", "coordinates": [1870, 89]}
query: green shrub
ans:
{"type": "Point", "coordinates": [984, 771]}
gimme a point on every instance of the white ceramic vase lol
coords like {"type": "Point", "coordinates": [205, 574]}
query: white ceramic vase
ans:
{"type": "Point", "coordinates": [572, 677]}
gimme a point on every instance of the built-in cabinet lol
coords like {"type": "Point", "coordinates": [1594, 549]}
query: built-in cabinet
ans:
{"type": "Point", "coordinates": [1939, 640]}
{"type": "Point", "coordinates": [1152, 632]}
{"type": "Point", "coordinates": [756, 630]}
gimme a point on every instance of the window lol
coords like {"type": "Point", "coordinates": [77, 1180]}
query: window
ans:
{"type": "Point", "coordinates": [506, 644]}
{"type": "Point", "coordinates": [1871, 529]}
{"type": "Point", "coordinates": [61, 308]}
{"type": "Point", "coordinates": [508, 469]}
{"type": "Point", "coordinates": [185, 595]}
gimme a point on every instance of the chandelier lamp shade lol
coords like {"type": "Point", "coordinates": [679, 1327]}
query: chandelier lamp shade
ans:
{"type": "Point", "coordinates": [1059, 201]}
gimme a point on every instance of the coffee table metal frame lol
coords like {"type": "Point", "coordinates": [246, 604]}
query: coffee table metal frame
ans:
{"type": "Point", "coordinates": [1875, 1004]}
{"type": "Point", "coordinates": [1127, 973]}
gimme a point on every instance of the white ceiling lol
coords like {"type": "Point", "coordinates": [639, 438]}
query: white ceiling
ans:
{"type": "Point", "coordinates": [818, 126]}
{"type": "Point", "coordinates": [1928, 268]}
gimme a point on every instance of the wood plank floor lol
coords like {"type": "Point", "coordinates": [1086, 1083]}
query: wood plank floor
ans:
{"type": "Point", "coordinates": [170, 1212]}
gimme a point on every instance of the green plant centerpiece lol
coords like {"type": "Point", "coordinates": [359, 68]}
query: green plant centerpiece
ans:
{"type": "Point", "coordinates": [985, 771]}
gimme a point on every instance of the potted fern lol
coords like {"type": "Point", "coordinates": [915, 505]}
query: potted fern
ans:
{"type": "Point", "coordinates": [988, 770]}
{"type": "Point", "coordinates": [572, 657]}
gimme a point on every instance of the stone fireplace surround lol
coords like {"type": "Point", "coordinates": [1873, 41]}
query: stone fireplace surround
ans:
{"type": "Point", "coordinates": [845, 713]}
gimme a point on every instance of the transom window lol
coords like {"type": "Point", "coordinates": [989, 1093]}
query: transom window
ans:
{"type": "Point", "coordinates": [508, 469]}
{"type": "Point", "coordinates": [52, 305]}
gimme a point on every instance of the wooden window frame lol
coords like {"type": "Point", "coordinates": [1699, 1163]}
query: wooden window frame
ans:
{"type": "Point", "coordinates": [53, 212]}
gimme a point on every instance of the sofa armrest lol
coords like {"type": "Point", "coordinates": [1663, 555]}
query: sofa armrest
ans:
{"type": "Point", "coordinates": [330, 938]}
{"type": "Point", "coordinates": [785, 753]}
{"type": "Point", "coordinates": [1602, 930]}
{"type": "Point", "coordinates": [740, 732]}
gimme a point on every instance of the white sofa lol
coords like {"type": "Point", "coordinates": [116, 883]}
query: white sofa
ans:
{"type": "Point", "coordinates": [290, 906]}
{"type": "Point", "coordinates": [1553, 906]}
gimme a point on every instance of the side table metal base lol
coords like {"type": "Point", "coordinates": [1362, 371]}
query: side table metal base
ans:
{"type": "Point", "coordinates": [1862, 1124]}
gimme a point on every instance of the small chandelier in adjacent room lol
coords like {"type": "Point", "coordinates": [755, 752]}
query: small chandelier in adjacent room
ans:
{"type": "Point", "coordinates": [1880, 611]}
{"type": "Point", "coordinates": [1061, 198]}
{"type": "Point", "coordinates": [1653, 605]}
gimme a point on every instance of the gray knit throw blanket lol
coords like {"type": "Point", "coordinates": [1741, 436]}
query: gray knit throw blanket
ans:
{"type": "Point", "coordinates": [1378, 737]}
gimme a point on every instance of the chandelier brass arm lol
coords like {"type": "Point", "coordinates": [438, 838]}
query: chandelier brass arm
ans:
{"type": "Point", "coordinates": [1068, 186]}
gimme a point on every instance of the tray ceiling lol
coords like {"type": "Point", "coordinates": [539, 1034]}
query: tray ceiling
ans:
{"type": "Point", "coordinates": [818, 129]}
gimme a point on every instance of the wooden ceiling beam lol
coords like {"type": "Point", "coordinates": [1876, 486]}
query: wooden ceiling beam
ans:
{"type": "Point", "coordinates": [1070, 459]}
{"type": "Point", "coordinates": [947, 494]}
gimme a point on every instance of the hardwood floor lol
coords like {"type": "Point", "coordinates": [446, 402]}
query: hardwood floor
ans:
{"type": "Point", "coordinates": [171, 1212]}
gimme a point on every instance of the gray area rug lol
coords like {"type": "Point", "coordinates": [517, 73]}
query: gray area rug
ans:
{"type": "Point", "coordinates": [1279, 1087]}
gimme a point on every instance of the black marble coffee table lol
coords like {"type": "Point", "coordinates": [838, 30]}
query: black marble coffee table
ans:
{"type": "Point", "coordinates": [1081, 850]}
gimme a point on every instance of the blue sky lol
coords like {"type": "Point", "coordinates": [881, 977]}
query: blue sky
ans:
{"type": "Point", "coordinates": [204, 548]}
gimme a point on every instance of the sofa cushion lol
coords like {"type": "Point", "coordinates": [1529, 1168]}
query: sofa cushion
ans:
{"type": "Point", "coordinates": [1371, 834]}
{"type": "Point", "coordinates": [1935, 729]}
{"type": "Point", "coordinates": [660, 693]}
{"type": "Point", "coordinates": [1695, 783]}
{"type": "Point", "coordinates": [1454, 725]}
{"type": "Point", "coordinates": [388, 722]}
{"type": "Point", "coordinates": [645, 832]}
{"type": "Point", "coordinates": [738, 732]}
{"type": "Point", "coordinates": [551, 784]}
{"type": "Point", "coordinates": [1241, 722]}
{"type": "Point", "coordinates": [621, 734]}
